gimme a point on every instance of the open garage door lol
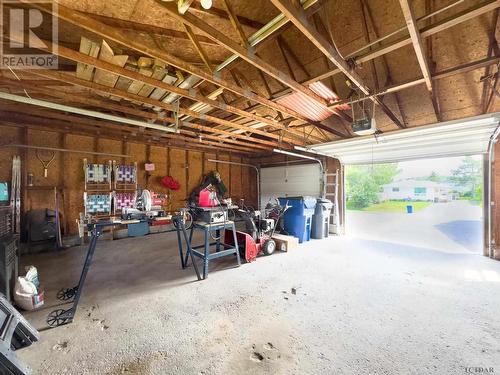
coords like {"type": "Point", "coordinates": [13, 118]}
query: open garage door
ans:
{"type": "Point", "coordinates": [455, 212]}
{"type": "Point", "coordinates": [452, 138]}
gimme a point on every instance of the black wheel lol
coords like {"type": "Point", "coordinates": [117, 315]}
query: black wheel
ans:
{"type": "Point", "coordinates": [65, 294]}
{"type": "Point", "coordinates": [55, 318]}
{"type": "Point", "coordinates": [269, 247]}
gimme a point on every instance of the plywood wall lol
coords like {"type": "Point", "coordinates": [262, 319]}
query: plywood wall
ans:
{"type": "Point", "coordinates": [66, 170]}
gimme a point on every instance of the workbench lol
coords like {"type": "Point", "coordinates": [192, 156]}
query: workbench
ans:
{"type": "Point", "coordinates": [221, 249]}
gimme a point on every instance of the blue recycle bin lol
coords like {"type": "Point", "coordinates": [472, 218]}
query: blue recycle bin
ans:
{"type": "Point", "coordinates": [298, 218]}
{"type": "Point", "coordinates": [409, 209]}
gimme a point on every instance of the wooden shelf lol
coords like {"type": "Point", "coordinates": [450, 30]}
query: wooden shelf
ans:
{"type": "Point", "coordinates": [45, 187]}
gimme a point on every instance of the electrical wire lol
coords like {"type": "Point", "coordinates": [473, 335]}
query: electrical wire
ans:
{"type": "Point", "coordinates": [19, 79]}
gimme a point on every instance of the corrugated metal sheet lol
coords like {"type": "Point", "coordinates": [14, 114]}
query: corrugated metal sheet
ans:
{"type": "Point", "coordinates": [322, 90]}
{"type": "Point", "coordinates": [309, 108]}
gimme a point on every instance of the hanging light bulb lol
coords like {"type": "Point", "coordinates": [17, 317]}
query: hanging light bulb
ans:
{"type": "Point", "coordinates": [206, 4]}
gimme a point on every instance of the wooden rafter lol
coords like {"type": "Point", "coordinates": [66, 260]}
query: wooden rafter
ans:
{"type": "Point", "coordinates": [279, 41]}
{"type": "Point", "coordinates": [418, 47]}
{"type": "Point", "coordinates": [222, 14]}
{"type": "Point", "coordinates": [82, 58]}
{"type": "Point", "coordinates": [297, 17]}
{"type": "Point", "coordinates": [235, 22]}
{"type": "Point", "coordinates": [137, 98]}
{"type": "Point", "coordinates": [236, 76]}
{"type": "Point", "coordinates": [293, 56]}
{"type": "Point", "coordinates": [85, 101]}
{"type": "Point", "coordinates": [444, 24]}
{"type": "Point", "coordinates": [116, 35]}
{"type": "Point", "coordinates": [47, 116]}
{"type": "Point", "coordinates": [479, 64]}
{"type": "Point", "coordinates": [489, 87]}
{"type": "Point", "coordinates": [19, 121]}
{"type": "Point", "coordinates": [244, 53]}
{"type": "Point", "coordinates": [183, 5]}
{"type": "Point", "coordinates": [389, 80]}
{"type": "Point", "coordinates": [194, 40]}
{"type": "Point", "coordinates": [147, 28]}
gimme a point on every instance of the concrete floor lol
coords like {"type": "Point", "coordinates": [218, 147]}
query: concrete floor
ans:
{"type": "Point", "coordinates": [359, 307]}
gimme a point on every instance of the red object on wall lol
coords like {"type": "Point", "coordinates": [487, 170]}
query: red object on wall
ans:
{"type": "Point", "coordinates": [170, 183]}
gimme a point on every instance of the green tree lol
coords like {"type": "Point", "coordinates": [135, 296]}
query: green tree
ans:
{"type": "Point", "coordinates": [468, 175]}
{"type": "Point", "coordinates": [434, 177]}
{"type": "Point", "coordinates": [364, 182]}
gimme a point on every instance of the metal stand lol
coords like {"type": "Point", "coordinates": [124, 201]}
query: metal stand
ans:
{"type": "Point", "coordinates": [180, 226]}
{"type": "Point", "coordinates": [222, 249]}
{"type": "Point", "coordinates": [16, 334]}
{"type": "Point", "coordinates": [60, 316]}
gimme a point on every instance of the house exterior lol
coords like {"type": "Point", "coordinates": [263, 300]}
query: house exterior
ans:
{"type": "Point", "coordinates": [416, 190]}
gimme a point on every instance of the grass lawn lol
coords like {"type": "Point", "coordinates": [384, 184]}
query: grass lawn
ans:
{"type": "Point", "coordinates": [393, 206]}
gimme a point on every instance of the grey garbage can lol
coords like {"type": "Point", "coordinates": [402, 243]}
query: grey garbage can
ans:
{"type": "Point", "coordinates": [321, 218]}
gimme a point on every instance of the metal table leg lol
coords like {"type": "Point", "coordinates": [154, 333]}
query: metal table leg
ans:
{"type": "Point", "coordinates": [180, 226]}
{"type": "Point", "coordinates": [217, 236]}
{"type": "Point", "coordinates": [179, 242]}
{"type": "Point", "coordinates": [236, 245]}
{"type": "Point", "coordinates": [190, 242]}
{"type": "Point", "coordinates": [206, 252]}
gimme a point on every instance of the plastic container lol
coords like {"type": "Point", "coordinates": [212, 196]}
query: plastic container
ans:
{"type": "Point", "coordinates": [206, 198]}
{"type": "Point", "coordinates": [298, 218]}
{"type": "Point", "coordinates": [409, 209]}
{"type": "Point", "coordinates": [321, 219]}
{"type": "Point", "coordinates": [138, 229]}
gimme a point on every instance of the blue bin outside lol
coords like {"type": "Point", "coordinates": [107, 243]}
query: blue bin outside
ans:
{"type": "Point", "coordinates": [409, 209]}
{"type": "Point", "coordinates": [298, 218]}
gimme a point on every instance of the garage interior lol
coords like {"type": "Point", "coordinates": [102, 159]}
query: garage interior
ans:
{"type": "Point", "coordinates": [172, 181]}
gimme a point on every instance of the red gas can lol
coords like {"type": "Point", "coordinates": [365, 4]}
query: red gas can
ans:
{"type": "Point", "coordinates": [207, 198]}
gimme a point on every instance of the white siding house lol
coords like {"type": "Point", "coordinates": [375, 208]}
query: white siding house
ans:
{"type": "Point", "coordinates": [416, 191]}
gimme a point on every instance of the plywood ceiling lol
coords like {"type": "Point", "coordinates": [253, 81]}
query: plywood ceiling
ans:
{"type": "Point", "coordinates": [437, 61]}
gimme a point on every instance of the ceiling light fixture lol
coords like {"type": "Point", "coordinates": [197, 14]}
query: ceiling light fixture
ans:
{"type": "Point", "coordinates": [206, 4]}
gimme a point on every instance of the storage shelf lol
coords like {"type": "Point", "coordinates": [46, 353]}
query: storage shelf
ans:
{"type": "Point", "coordinates": [45, 187]}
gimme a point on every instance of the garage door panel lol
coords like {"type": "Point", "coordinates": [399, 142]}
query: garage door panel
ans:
{"type": "Point", "coordinates": [453, 138]}
{"type": "Point", "coordinates": [289, 181]}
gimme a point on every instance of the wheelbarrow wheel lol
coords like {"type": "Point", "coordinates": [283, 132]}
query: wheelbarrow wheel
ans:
{"type": "Point", "coordinates": [269, 247]}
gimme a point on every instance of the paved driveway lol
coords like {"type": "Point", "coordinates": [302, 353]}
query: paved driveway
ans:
{"type": "Point", "coordinates": [452, 227]}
